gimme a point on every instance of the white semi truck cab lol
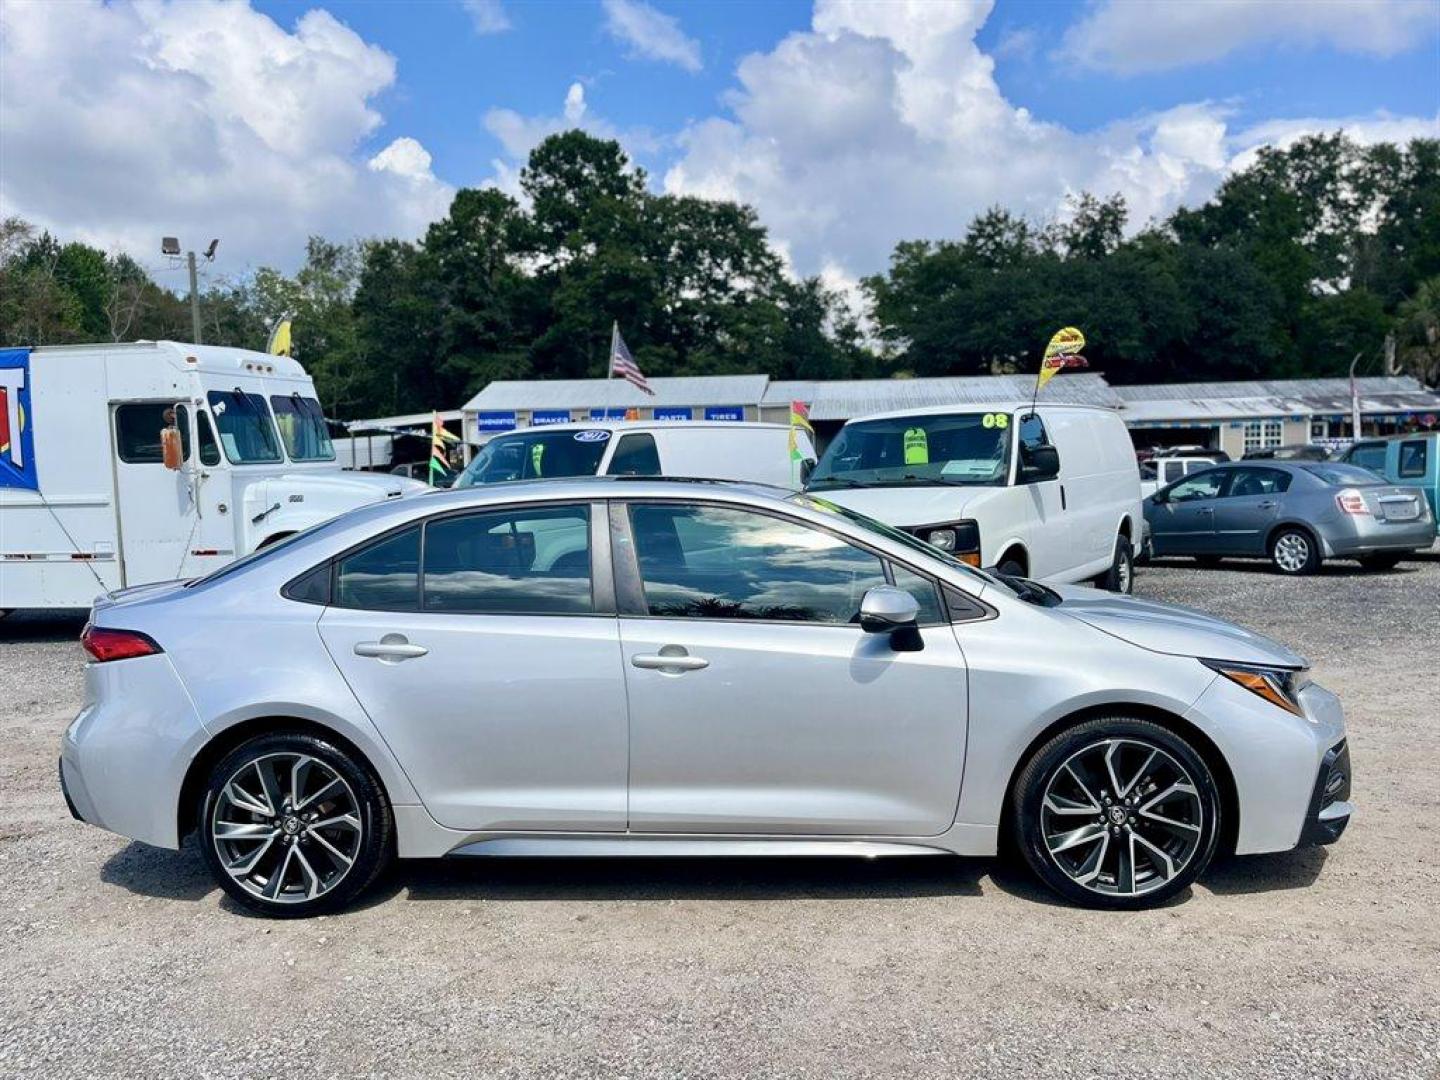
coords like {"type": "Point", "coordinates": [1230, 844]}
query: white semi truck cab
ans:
{"type": "Point", "coordinates": [126, 464]}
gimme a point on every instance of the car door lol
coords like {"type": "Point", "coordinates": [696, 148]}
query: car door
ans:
{"type": "Point", "coordinates": [757, 704]}
{"type": "Point", "coordinates": [155, 506]}
{"type": "Point", "coordinates": [1246, 508]}
{"type": "Point", "coordinates": [1046, 537]}
{"type": "Point", "coordinates": [484, 647]}
{"type": "Point", "coordinates": [1182, 521]}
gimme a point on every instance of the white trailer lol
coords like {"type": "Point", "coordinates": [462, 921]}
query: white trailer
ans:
{"type": "Point", "coordinates": [90, 499]}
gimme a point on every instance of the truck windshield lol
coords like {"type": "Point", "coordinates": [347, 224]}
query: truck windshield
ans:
{"type": "Point", "coordinates": [302, 426]}
{"type": "Point", "coordinates": [948, 448]}
{"type": "Point", "coordinates": [246, 431]}
{"type": "Point", "coordinates": [537, 455]}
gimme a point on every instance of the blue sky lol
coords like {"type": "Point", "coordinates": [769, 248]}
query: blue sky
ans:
{"type": "Point", "coordinates": [849, 125]}
{"type": "Point", "coordinates": [449, 75]}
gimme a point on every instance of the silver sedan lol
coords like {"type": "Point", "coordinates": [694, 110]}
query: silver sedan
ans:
{"type": "Point", "coordinates": [641, 667]}
{"type": "Point", "coordinates": [1296, 513]}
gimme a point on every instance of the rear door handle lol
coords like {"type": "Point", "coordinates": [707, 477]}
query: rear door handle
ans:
{"type": "Point", "coordinates": [391, 648]}
{"type": "Point", "coordinates": [671, 658]}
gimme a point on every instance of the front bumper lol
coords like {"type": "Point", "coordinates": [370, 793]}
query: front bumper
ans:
{"type": "Point", "coordinates": [1330, 807]}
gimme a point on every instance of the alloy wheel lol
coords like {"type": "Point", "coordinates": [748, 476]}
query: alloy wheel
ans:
{"type": "Point", "coordinates": [286, 827]}
{"type": "Point", "coordinates": [1122, 817]}
{"type": "Point", "coordinates": [1292, 552]}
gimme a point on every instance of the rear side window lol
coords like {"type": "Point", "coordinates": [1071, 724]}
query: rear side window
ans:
{"type": "Point", "coordinates": [530, 561]}
{"type": "Point", "coordinates": [635, 455]}
{"type": "Point", "coordinates": [1413, 458]}
{"type": "Point", "coordinates": [1258, 482]}
{"type": "Point", "coordinates": [382, 577]}
{"type": "Point", "coordinates": [1368, 456]}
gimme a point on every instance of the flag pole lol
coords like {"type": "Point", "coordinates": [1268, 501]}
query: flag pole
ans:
{"type": "Point", "coordinates": [610, 369]}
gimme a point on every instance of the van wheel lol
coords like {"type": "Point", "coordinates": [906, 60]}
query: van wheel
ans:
{"type": "Point", "coordinates": [1120, 578]}
{"type": "Point", "coordinates": [1293, 552]}
{"type": "Point", "coordinates": [1116, 812]}
{"type": "Point", "coordinates": [291, 826]}
{"type": "Point", "coordinates": [1010, 566]}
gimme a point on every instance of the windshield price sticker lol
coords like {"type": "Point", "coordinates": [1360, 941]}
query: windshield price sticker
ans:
{"type": "Point", "coordinates": [995, 420]}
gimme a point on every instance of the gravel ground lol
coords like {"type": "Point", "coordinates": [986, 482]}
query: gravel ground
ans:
{"type": "Point", "coordinates": [122, 959]}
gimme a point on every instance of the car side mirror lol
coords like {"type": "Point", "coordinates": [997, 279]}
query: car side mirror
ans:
{"type": "Point", "coordinates": [1159, 498]}
{"type": "Point", "coordinates": [1039, 463]}
{"type": "Point", "coordinates": [885, 608]}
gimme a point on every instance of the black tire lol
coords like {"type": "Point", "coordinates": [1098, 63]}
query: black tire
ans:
{"type": "Point", "coordinates": [1381, 561]}
{"type": "Point", "coordinates": [1294, 552]}
{"type": "Point", "coordinates": [360, 792]}
{"type": "Point", "coordinates": [1120, 578]}
{"type": "Point", "coordinates": [1010, 567]}
{"type": "Point", "coordinates": [1077, 747]}
{"type": "Point", "coordinates": [1208, 561]}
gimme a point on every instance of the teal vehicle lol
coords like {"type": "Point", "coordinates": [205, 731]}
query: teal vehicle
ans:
{"type": "Point", "coordinates": [1408, 460]}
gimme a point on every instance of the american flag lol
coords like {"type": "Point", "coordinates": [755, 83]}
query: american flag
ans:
{"type": "Point", "coordinates": [623, 364]}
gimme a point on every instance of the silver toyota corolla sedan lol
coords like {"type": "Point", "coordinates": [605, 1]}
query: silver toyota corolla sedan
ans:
{"type": "Point", "coordinates": [648, 667]}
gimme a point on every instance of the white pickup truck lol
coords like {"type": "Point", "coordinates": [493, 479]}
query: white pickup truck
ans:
{"type": "Point", "coordinates": [90, 501]}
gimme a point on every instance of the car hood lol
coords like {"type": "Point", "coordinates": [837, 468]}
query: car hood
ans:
{"type": "Point", "coordinates": [366, 486]}
{"type": "Point", "coordinates": [914, 504]}
{"type": "Point", "coordinates": [1169, 628]}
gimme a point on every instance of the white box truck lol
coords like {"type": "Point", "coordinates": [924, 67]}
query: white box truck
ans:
{"type": "Point", "coordinates": [97, 495]}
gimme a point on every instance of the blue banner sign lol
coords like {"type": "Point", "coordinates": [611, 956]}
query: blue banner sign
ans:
{"type": "Point", "coordinates": [725, 412]}
{"type": "Point", "coordinates": [495, 421]}
{"type": "Point", "coordinates": [674, 414]}
{"type": "Point", "coordinates": [607, 414]}
{"type": "Point", "coordinates": [541, 417]}
{"type": "Point", "coordinates": [17, 422]}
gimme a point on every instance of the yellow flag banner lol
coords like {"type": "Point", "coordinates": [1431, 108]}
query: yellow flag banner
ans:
{"type": "Point", "coordinates": [1063, 351]}
{"type": "Point", "coordinates": [279, 343]}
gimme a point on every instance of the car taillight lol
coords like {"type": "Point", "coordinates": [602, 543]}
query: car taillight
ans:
{"type": "Point", "coordinates": [1351, 501]}
{"type": "Point", "coordinates": [105, 644]}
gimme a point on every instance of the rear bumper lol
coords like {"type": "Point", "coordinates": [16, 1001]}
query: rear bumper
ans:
{"type": "Point", "coordinates": [1364, 536]}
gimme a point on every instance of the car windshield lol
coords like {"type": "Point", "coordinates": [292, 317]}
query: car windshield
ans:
{"type": "Point", "coordinates": [1338, 474]}
{"type": "Point", "coordinates": [246, 431]}
{"type": "Point", "coordinates": [949, 448]}
{"type": "Point", "coordinates": [537, 455]}
{"type": "Point", "coordinates": [302, 426]}
{"type": "Point", "coordinates": [899, 536]}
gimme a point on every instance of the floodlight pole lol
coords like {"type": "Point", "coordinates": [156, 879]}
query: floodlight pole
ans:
{"type": "Point", "coordinates": [194, 297]}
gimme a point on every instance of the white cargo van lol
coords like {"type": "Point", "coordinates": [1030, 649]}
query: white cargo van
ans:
{"type": "Point", "coordinates": [1051, 493]}
{"type": "Point", "coordinates": [88, 501]}
{"type": "Point", "coordinates": [702, 449]}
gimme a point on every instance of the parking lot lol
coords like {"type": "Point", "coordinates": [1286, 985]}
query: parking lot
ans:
{"type": "Point", "coordinates": [123, 959]}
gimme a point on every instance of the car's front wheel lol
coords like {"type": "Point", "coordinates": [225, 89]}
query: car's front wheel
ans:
{"type": "Point", "coordinates": [1116, 813]}
{"type": "Point", "coordinates": [292, 825]}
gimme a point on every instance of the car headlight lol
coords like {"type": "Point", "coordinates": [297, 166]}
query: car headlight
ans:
{"type": "Point", "coordinates": [960, 538]}
{"type": "Point", "coordinates": [1278, 685]}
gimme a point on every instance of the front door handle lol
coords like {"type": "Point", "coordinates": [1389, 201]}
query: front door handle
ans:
{"type": "Point", "coordinates": [392, 648]}
{"type": "Point", "coordinates": [671, 658]}
{"type": "Point", "coordinates": [1266, 505]}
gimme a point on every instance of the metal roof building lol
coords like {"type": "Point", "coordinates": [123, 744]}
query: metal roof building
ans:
{"type": "Point", "coordinates": [845, 399]}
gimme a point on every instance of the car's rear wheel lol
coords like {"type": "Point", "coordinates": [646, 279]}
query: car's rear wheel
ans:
{"type": "Point", "coordinates": [293, 826]}
{"type": "Point", "coordinates": [1120, 578]}
{"type": "Point", "coordinates": [1381, 561]}
{"type": "Point", "coordinates": [1116, 813]}
{"type": "Point", "coordinates": [1293, 551]}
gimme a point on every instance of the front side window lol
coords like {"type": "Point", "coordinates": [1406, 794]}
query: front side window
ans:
{"type": "Point", "coordinates": [209, 449]}
{"type": "Point", "coordinates": [535, 455]}
{"type": "Point", "coordinates": [949, 448]}
{"type": "Point", "coordinates": [533, 560]}
{"type": "Point", "coordinates": [635, 455]}
{"type": "Point", "coordinates": [382, 577]}
{"type": "Point", "coordinates": [137, 432]}
{"type": "Point", "coordinates": [1203, 485]}
{"type": "Point", "coordinates": [922, 589]}
{"type": "Point", "coordinates": [1258, 482]}
{"type": "Point", "coordinates": [302, 426]}
{"type": "Point", "coordinates": [1412, 458]}
{"type": "Point", "coordinates": [1367, 456]}
{"type": "Point", "coordinates": [707, 562]}
{"type": "Point", "coordinates": [246, 431]}
{"type": "Point", "coordinates": [1032, 432]}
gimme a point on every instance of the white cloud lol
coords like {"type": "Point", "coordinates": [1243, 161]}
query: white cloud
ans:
{"type": "Point", "coordinates": [1128, 38]}
{"type": "Point", "coordinates": [128, 121]}
{"type": "Point", "coordinates": [884, 122]}
{"type": "Point", "coordinates": [487, 16]}
{"type": "Point", "coordinates": [651, 33]}
{"type": "Point", "coordinates": [1365, 130]}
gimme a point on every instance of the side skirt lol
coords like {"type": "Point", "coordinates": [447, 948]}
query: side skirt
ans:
{"type": "Point", "coordinates": [573, 846]}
